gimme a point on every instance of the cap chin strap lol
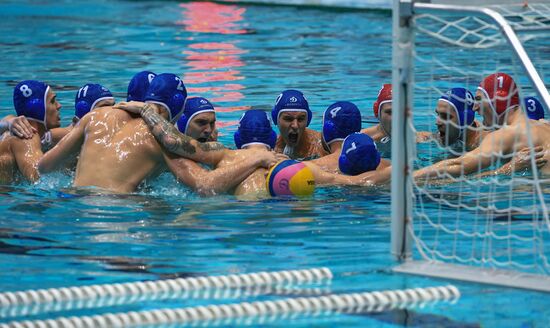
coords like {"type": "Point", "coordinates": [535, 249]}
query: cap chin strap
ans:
{"type": "Point", "coordinates": [98, 100]}
{"type": "Point", "coordinates": [386, 138]}
{"type": "Point", "coordinates": [163, 105]}
{"type": "Point", "coordinates": [256, 143]}
{"type": "Point", "coordinates": [334, 140]}
{"type": "Point", "coordinates": [288, 151]}
{"type": "Point", "coordinates": [45, 107]}
{"type": "Point", "coordinates": [195, 114]}
{"type": "Point", "coordinates": [382, 103]}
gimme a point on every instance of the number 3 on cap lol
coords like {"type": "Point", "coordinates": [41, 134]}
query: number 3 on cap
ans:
{"type": "Point", "coordinates": [531, 107]}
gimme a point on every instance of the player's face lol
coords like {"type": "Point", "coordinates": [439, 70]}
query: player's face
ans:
{"type": "Point", "coordinates": [482, 106]}
{"type": "Point", "coordinates": [385, 117]}
{"type": "Point", "coordinates": [53, 120]}
{"type": "Point", "coordinates": [447, 123]}
{"type": "Point", "coordinates": [292, 126]}
{"type": "Point", "coordinates": [201, 126]}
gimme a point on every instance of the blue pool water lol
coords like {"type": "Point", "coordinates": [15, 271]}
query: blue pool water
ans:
{"type": "Point", "coordinates": [238, 57]}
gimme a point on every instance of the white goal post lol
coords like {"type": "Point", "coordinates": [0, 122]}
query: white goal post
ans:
{"type": "Point", "coordinates": [486, 228]}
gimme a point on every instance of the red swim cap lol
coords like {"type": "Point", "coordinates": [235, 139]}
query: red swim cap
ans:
{"type": "Point", "coordinates": [501, 90]}
{"type": "Point", "coordinates": [384, 96]}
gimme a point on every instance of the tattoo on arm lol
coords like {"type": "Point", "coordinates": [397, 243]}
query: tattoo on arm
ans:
{"type": "Point", "coordinates": [150, 116]}
{"type": "Point", "coordinates": [211, 146]}
{"type": "Point", "coordinates": [166, 133]}
{"type": "Point", "coordinates": [173, 140]}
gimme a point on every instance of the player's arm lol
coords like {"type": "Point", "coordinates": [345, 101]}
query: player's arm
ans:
{"type": "Point", "coordinates": [424, 136]}
{"type": "Point", "coordinates": [65, 150]}
{"type": "Point", "coordinates": [172, 139]}
{"type": "Point", "coordinates": [27, 153]}
{"type": "Point", "coordinates": [220, 180]}
{"type": "Point", "coordinates": [367, 179]}
{"type": "Point", "coordinates": [60, 133]}
{"type": "Point", "coordinates": [491, 148]}
{"type": "Point", "coordinates": [522, 160]}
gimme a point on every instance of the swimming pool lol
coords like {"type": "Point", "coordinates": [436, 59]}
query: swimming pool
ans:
{"type": "Point", "coordinates": [235, 56]}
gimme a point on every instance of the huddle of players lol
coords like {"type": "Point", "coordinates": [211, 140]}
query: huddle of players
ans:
{"type": "Point", "coordinates": [124, 140]}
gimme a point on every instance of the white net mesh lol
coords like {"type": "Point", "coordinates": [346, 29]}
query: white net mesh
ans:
{"type": "Point", "coordinates": [485, 218]}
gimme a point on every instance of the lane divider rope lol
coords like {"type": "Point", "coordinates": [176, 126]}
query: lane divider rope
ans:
{"type": "Point", "coordinates": [66, 298]}
{"type": "Point", "coordinates": [344, 303]}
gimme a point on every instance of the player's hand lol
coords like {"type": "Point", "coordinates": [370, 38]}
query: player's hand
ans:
{"type": "Point", "coordinates": [522, 160]}
{"type": "Point", "coordinates": [540, 161]}
{"type": "Point", "coordinates": [134, 107]}
{"type": "Point", "coordinates": [20, 127]}
{"type": "Point", "coordinates": [270, 158]}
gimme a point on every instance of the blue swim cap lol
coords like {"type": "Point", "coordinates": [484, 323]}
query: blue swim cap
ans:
{"type": "Point", "coordinates": [534, 108]}
{"type": "Point", "coordinates": [88, 96]}
{"type": "Point", "coordinates": [167, 89]}
{"type": "Point", "coordinates": [462, 101]}
{"type": "Point", "coordinates": [29, 100]}
{"type": "Point", "coordinates": [290, 101]}
{"type": "Point", "coordinates": [254, 127]}
{"type": "Point", "coordinates": [359, 154]}
{"type": "Point", "coordinates": [340, 120]}
{"type": "Point", "coordinates": [139, 84]}
{"type": "Point", "coordinates": [193, 107]}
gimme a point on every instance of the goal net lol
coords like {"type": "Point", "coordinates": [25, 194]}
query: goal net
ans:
{"type": "Point", "coordinates": [493, 214]}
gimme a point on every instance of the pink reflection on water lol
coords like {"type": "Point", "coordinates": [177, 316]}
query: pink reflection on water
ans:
{"type": "Point", "coordinates": [208, 17]}
{"type": "Point", "coordinates": [213, 62]}
{"type": "Point", "coordinates": [227, 92]}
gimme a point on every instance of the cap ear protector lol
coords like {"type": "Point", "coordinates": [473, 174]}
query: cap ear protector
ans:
{"type": "Point", "coordinates": [36, 106]}
{"type": "Point", "coordinates": [175, 104]}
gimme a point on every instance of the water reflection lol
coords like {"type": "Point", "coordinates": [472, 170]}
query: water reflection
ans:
{"type": "Point", "coordinates": [214, 63]}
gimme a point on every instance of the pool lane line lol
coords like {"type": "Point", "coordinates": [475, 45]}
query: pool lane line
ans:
{"type": "Point", "coordinates": [68, 298]}
{"type": "Point", "coordinates": [263, 311]}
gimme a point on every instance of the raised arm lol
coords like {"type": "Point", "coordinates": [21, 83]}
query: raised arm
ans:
{"type": "Point", "coordinates": [64, 151]}
{"type": "Point", "coordinates": [173, 140]}
{"type": "Point", "coordinates": [222, 179]}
